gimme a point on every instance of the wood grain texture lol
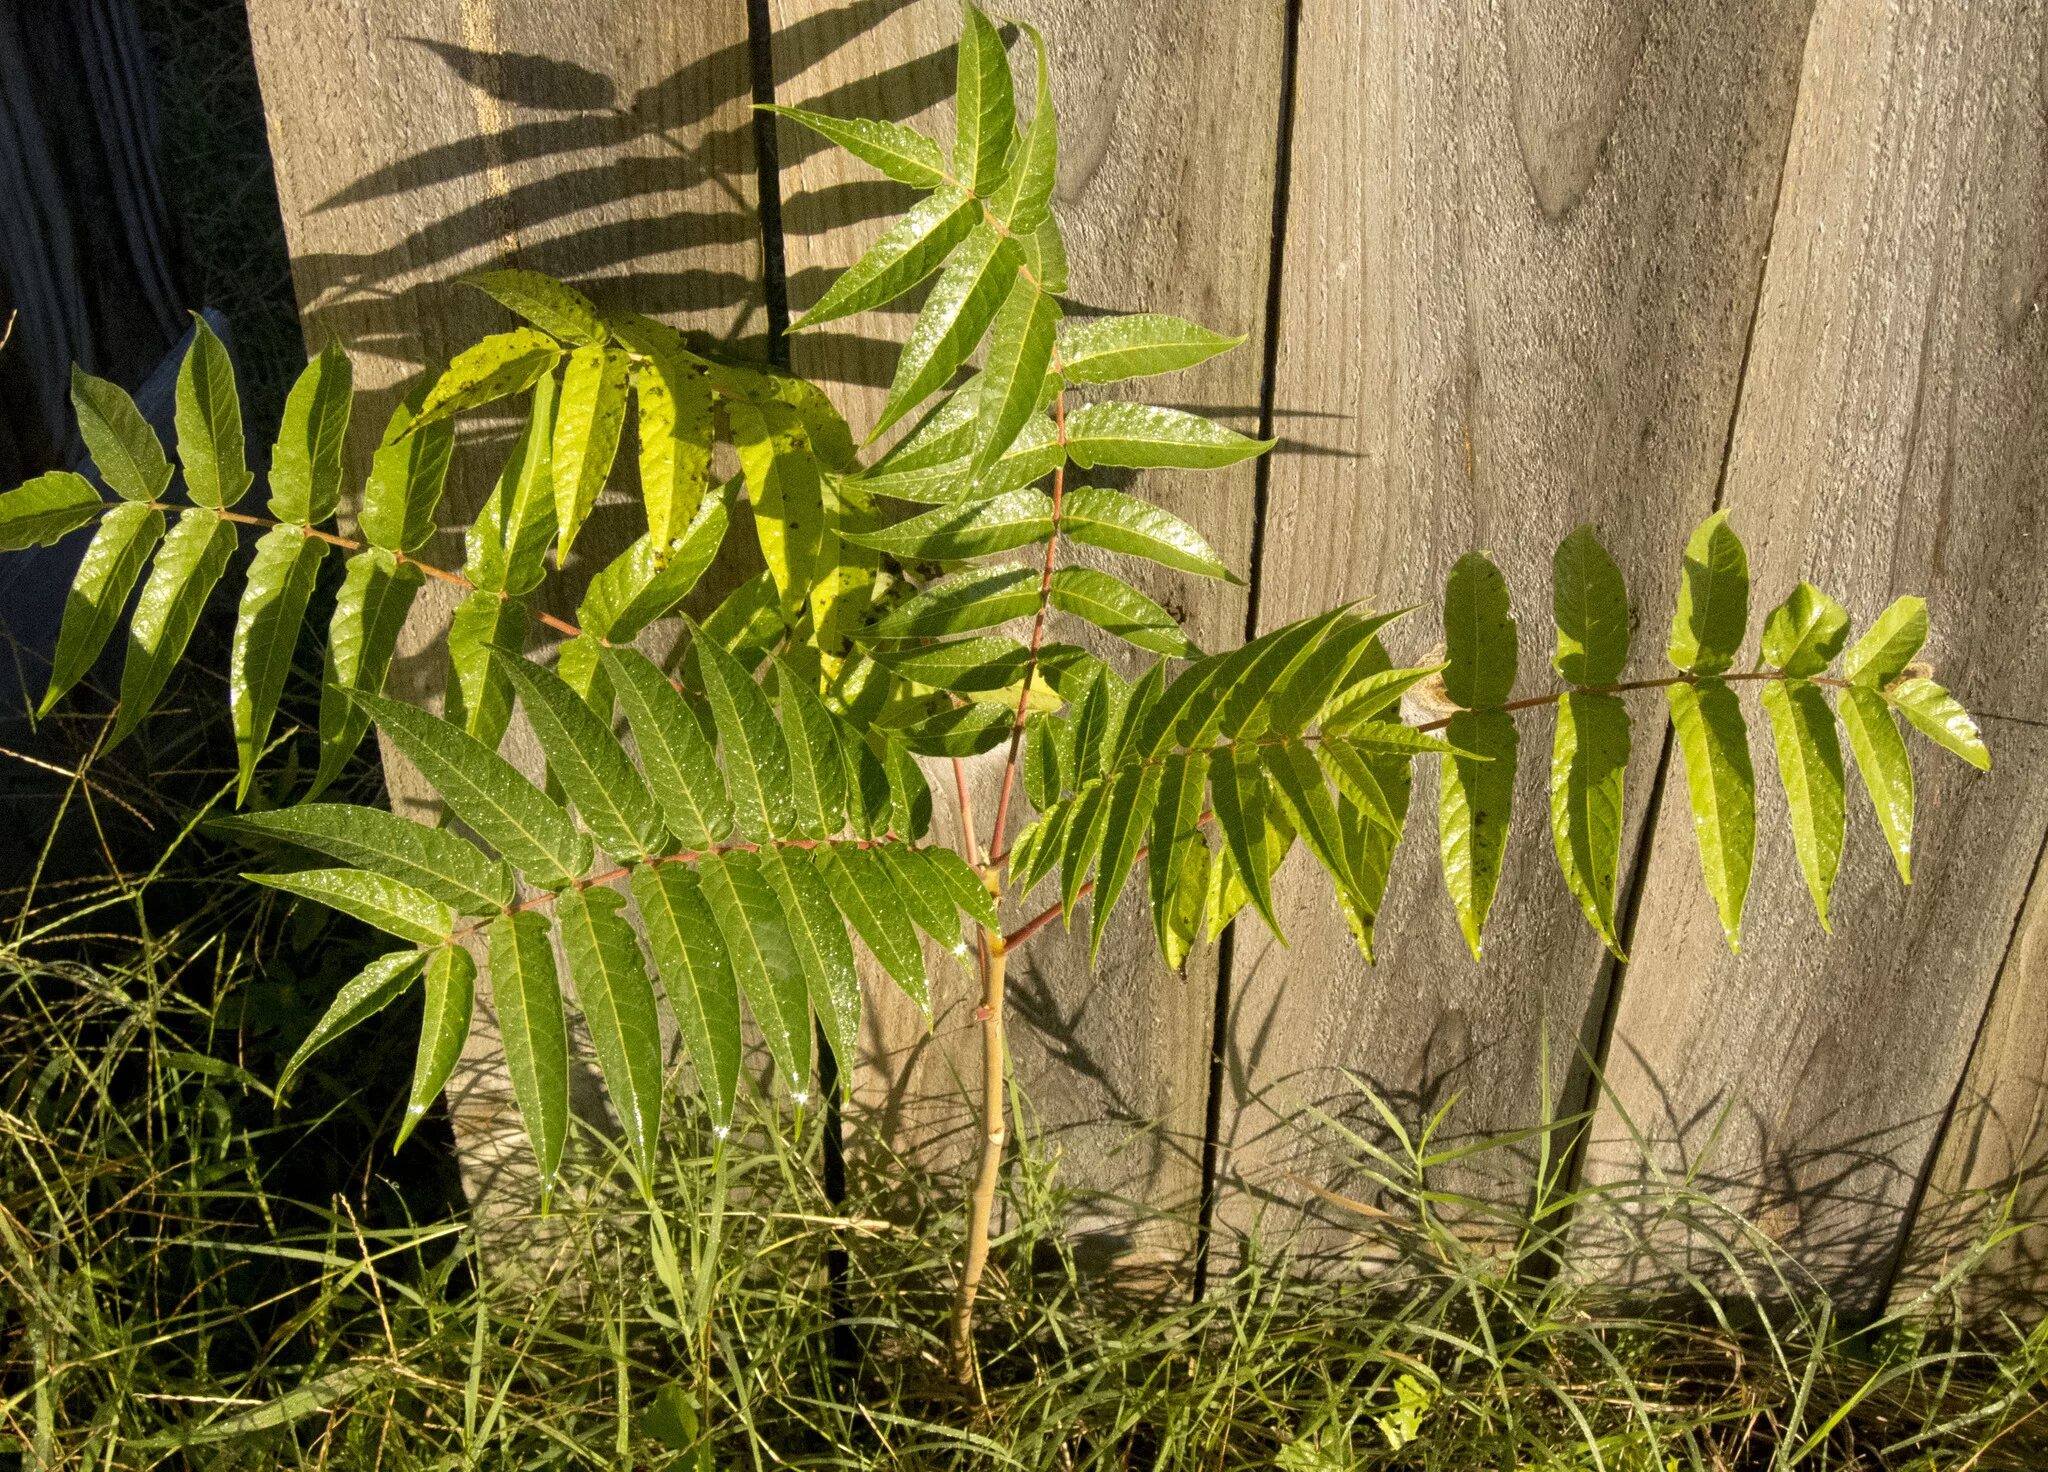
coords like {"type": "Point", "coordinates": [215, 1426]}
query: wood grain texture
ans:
{"type": "Point", "coordinates": [608, 144]}
{"type": "Point", "coordinates": [1893, 420]}
{"type": "Point", "coordinates": [1168, 119]}
{"type": "Point", "coordinates": [1522, 249]}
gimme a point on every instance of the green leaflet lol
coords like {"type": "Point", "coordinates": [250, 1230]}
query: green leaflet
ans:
{"type": "Point", "coordinates": [1882, 654]}
{"type": "Point", "coordinates": [984, 104]}
{"type": "Point", "coordinates": [962, 730]}
{"type": "Point", "coordinates": [1347, 652]}
{"type": "Point", "coordinates": [1941, 718]}
{"type": "Point", "coordinates": [1886, 769]}
{"type": "Point", "coordinates": [1111, 349]}
{"type": "Point", "coordinates": [676, 434]}
{"type": "Point", "coordinates": [280, 583]}
{"type": "Point", "coordinates": [1237, 788]}
{"type": "Point", "coordinates": [99, 593]}
{"type": "Point", "coordinates": [679, 760]}
{"type": "Point", "coordinates": [444, 1028]}
{"type": "Point", "coordinates": [697, 974]}
{"type": "Point", "coordinates": [1179, 919]}
{"type": "Point", "coordinates": [816, 764]}
{"type": "Point", "coordinates": [1131, 804]}
{"type": "Point", "coordinates": [1369, 697]}
{"type": "Point", "coordinates": [786, 493]}
{"type": "Point", "coordinates": [618, 1007]}
{"type": "Point", "coordinates": [1713, 601]}
{"type": "Point", "coordinates": [943, 436]}
{"type": "Point", "coordinates": [961, 882]}
{"type": "Point", "coordinates": [488, 793]}
{"type": "Point", "coordinates": [910, 796]}
{"type": "Point", "coordinates": [1370, 841]}
{"type": "Point", "coordinates": [1024, 202]}
{"type": "Point", "coordinates": [962, 303]}
{"type": "Point", "coordinates": [503, 364]}
{"type": "Point", "coordinates": [977, 598]}
{"type": "Point", "coordinates": [556, 309]}
{"type": "Point", "coordinates": [756, 756]}
{"type": "Point", "coordinates": [997, 524]}
{"type": "Point", "coordinates": [1479, 634]}
{"type": "Point", "coordinates": [391, 906]}
{"type": "Point", "coordinates": [1115, 607]}
{"type": "Point", "coordinates": [1121, 523]}
{"type": "Point", "coordinates": [980, 664]}
{"type": "Point", "coordinates": [1019, 353]}
{"type": "Point", "coordinates": [479, 694]}
{"type": "Point", "coordinates": [1803, 634]}
{"type": "Point", "coordinates": [209, 422]}
{"type": "Point", "coordinates": [904, 154]}
{"type": "Point", "coordinates": [1298, 782]}
{"type": "Point", "coordinates": [129, 455]}
{"type": "Point", "coordinates": [1590, 606]}
{"type": "Point", "coordinates": [528, 997]}
{"type": "Point", "coordinates": [1392, 738]}
{"type": "Point", "coordinates": [824, 954]}
{"type": "Point", "coordinates": [362, 997]}
{"type": "Point", "coordinates": [649, 579]}
{"type": "Point", "coordinates": [407, 475]}
{"type": "Point", "coordinates": [1045, 256]}
{"type": "Point", "coordinates": [587, 760]}
{"type": "Point", "coordinates": [1587, 764]}
{"type": "Point", "coordinates": [1176, 836]}
{"type": "Point", "coordinates": [924, 896]}
{"type": "Point", "coordinates": [187, 566]}
{"type": "Point", "coordinates": [1810, 770]}
{"type": "Point", "coordinates": [507, 544]}
{"type": "Point", "coordinates": [369, 613]}
{"type": "Point", "coordinates": [1360, 777]}
{"type": "Point", "coordinates": [1045, 776]}
{"type": "Point", "coordinates": [869, 801]}
{"type": "Point", "coordinates": [588, 418]}
{"type": "Point", "coordinates": [578, 663]}
{"type": "Point", "coordinates": [1714, 740]}
{"type": "Point", "coordinates": [432, 860]}
{"type": "Point", "coordinates": [1144, 436]}
{"type": "Point", "coordinates": [1475, 812]}
{"type": "Point", "coordinates": [305, 464]}
{"type": "Point", "coordinates": [909, 250]}
{"type": "Point", "coordinates": [866, 896]}
{"type": "Point", "coordinates": [756, 934]}
{"type": "Point", "coordinates": [1082, 838]}
{"type": "Point", "coordinates": [39, 512]}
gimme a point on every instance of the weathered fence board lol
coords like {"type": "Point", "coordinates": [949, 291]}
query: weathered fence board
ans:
{"type": "Point", "coordinates": [1166, 199]}
{"type": "Point", "coordinates": [1522, 248]}
{"type": "Point", "coordinates": [1893, 422]}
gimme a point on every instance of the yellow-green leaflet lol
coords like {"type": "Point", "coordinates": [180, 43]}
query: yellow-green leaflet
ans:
{"type": "Point", "coordinates": [1713, 599]}
{"type": "Point", "coordinates": [274, 598]}
{"type": "Point", "coordinates": [676, 434]}
{"type": "Point", "coordinates": [588, 417]}
{"type": "Point", "coordinates": [98, 594]}
{"type": "Point", "coordinates": [984, 104]}
{"type": "Point", "coordinates": [1590, 607]}
{"type": "Point", "coordinates": [784, 489]}
{"type": "Point", "coordinates": [1886, 769]}
{"type": "Point", "coordinates": [190, 561]}
{"type": "Point", "coordinates": [444, 1028]}
{"type": "Point", "coordinates": [1476, 810]}
{"type": "Point", "coordinates": [555, 308]}
{"type": "Point", "coordinates": [1810, 771]}
{"type": "Point", "coordinates": [305, 464]}
{"type": "Point", "coordinates": [129, 455]}
{"type": "Point", "coordinates": [1714, 743]}
{"type": "Point", "coordinates": [479, 694]}
{"type": "Point", "coordinates": [1587, 764]}
{"type": "Point", "coordinates": [503, 364]}
{"type": "Point", "coordinates": [209, 422]}
{"type": "Point", "coordinates": [39, 512]}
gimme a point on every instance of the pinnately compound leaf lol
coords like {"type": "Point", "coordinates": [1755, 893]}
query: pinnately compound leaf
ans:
{"type": "Point", "coordinates": [1479, 634]}
{"type": "Point", "coordinates": [1476, 809]}
{"type": "Point", "coordinates": [369, 613]}
{"type": "Point", "coordinates": [99, 593]}
{"type": "Point", "coordinates": [1810, 771]}
{"type": "Point", "coordinates": [362, 997]}
{"type": "Point", "coordinates": [189, 563]}
{"type": "Point", "coordinates": [394, 907]}
{"type": "Point", "coordinates": [697, 974]}
{"type": "Point", "coordinates": [444, 1028]}
{"type": "Point", "coordinates": [1714, 742]}
{"type": "Point", "coordinates": [618, 1007]}
{"type": "Point", "coordinates": [1713, 601]}
{"type": "Point", "coordinates": [209, 422]}
{"type": "Point", "coordinates": [129, 455]}
{"type": "Point", "coordinates": [527, 993]}
{"type": "Point", "coordinates": [1591, 611]}
{"type": "Point", "coordinates": [1803, 634]}
{"type": "Point", "coordinates": [274, 598]}
{"type": "Point", "coordinates": [305, 464]}
{"type": "Point", "coordinates": [432, 860]}
{"type": "Point", "coordinates": [1886, 769]}
{"type": "Point", "coordinates": [1588, 761]}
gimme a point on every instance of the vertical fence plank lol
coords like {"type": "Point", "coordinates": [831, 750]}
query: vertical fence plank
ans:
{"type": "Point", "coordinates": [1522, 249]}
{"type": "Point", "coordinates": [1894, 419]}
{"type": "Point", "coordinates": [1168, 111]}
{"type": "Point", "coordinates": [608, 143]}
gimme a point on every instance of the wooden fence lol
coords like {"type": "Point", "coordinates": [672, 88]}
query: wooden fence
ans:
{"type": "Point", "coordinates": [1504, 268]}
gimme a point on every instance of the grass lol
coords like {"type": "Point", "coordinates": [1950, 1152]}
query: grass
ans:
{"type": "Point", "coordinates": [196, 1274]}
